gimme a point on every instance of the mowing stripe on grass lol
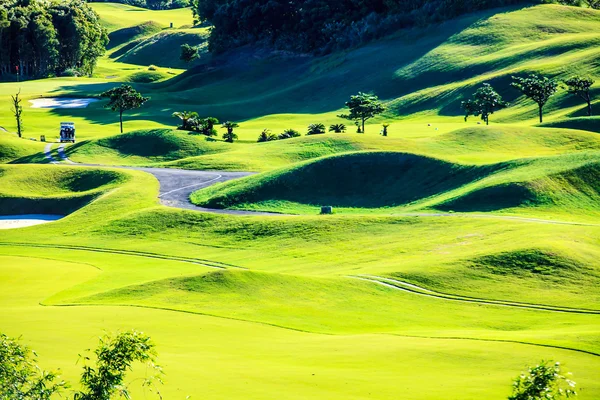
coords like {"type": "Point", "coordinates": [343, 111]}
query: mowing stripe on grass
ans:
{"type": "Point", "coordinates": [412, 288]}
{"type": "Point", "coordinates": [500, 341]}
{"type": "Point", "coordinates": [199, 261]}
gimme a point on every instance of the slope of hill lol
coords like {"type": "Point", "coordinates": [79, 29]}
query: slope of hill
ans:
{"type": "Point", "coordinates": [144, 146]}
{"type": "Point", "coordinates": [419, 71]}
{"type": "Point", "coordinates": [118, 16]}
{"type": "Point", "coordinates": [12, 148]}
{"type": "Point", "coordinates": [387, 182]}
{"type": "Point", "coordinates": [162, 48]}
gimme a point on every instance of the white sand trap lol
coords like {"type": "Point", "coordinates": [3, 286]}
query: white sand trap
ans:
{"type": "Point", "coordinates": [21, 221]}
{"type": "Point", "coordinates": [61, 102]}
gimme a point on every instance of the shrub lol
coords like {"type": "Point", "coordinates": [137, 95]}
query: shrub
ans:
{"type": "Point", "coordinates": [288, 134]}
{"type": "Point", "coordinates": [152, 67]}
{"type": "Point", "coordinates": [70, 72]}
{"type": "Point", "coordinates": [316, 129]}
{"type": "Point", "coordinates": [266, 136]}
{"type": "Point", "coordinates": [337, 128]}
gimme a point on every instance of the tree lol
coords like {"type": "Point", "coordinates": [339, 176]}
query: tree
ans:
{"type": "Point", "coordinates": [229, 136]}
{"type": "Point", "coordinates": [288, 134]}
{"type": "Point", "coordinates": [542, 382]}
{"type": "Point", "coordinates": [20, 377]}
{"type": "Point", "coordinates": [537, 88]}
{"type": "Point", "coordinates": [207, 126]}
{"type": "Point", "coordinates": [43, 38]}
{"type": "Point", "coordinates": [123, 98]}
{"type": "Point", "coordinates": [485, 101]}
{"type": "Point", "coordinates": [114, 357]}
{"type": "Point", "coordinates": [188, 53]}
{"type": "Point", "coordinates": [337, 128]}
{"type": "Point", "coordinates": [187, 119]}
{"type": "Point", "coordinates": [316, 129]}
{"type": "Point", "coordinates": [266, 136]}
{"type": "Point", "coordinates": [363, 107]}
{"type": "Point", "coordinates": [580, 86]}
{"type": "Point", "coordinates": [384, 131]}
{"type": "Point", "coordinates": [17, 110]}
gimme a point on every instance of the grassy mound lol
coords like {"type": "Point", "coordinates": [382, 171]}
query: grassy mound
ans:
{"type": "Point", "coordinates": [12, 148]}
{"type": "Point", "coordinates": [530, 262]}
{"type": "Point", "coordinates": [147, 76]}
{"type": "Point", "coordinates": [495, 143]}
{"type": "Point", "coordinates": [473, 145]}
{"type": "Point", "coordinates": [144, 146]}
{"type": "Point", "coordinates": [591, 124]}
{"type": "Point", "coordinates": [163, 48]}
{"type": "Point", "coordinates": [125, 35]}
{"type": "Point", "coordinates": [573, 190]}
{"type": "Point", "coordinates": [363, 180]}
{"type": "Point", "coordinates": [51, 189]}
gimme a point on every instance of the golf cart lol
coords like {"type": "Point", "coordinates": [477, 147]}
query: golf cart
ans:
{"type": "Point", "coordinates": [67, 132]}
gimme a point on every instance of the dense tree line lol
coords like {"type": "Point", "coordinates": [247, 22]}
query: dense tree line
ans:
{"type": "Point", "coordinates": [327, 25]}
{"type": "Point", "coordinates": [150, 4]}
{"type": "Point", "coordinates": [40, 39]}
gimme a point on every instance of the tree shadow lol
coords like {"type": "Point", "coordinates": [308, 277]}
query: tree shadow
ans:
{"type": "Point", "coordinates": [247, 83]}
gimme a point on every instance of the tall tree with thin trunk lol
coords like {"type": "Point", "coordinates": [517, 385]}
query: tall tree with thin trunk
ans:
{"type": "Point", "coordinates": [580, 86]}
{"type": "Point", "coordinates": [537, 88]}
{"type": "Point", "coordinates": [363, 107]}
{"type": "Point", "coordinates": [17, 110]}
{"type": "Point", "coordinates": [484, 102]}
{"type": "Point", "coordinates": [123, 98]}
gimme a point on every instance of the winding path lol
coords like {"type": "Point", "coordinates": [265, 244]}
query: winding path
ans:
{"type": "Point", "coordinates": [176, 186]}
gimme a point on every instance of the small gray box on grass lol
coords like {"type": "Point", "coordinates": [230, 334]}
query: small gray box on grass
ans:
{"type": "Point", "coordinates": [326, 210]}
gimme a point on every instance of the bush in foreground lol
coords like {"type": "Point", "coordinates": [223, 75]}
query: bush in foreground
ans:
{"type": "Point", "coordinates": [102, 378]}
{"type": "Point", "coordinates": [543, 382]}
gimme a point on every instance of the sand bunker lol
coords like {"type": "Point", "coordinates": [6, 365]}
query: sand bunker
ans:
{"type": "Point", "coordinates": [60, 102]}
{"type": "Point", "coordinates": [20, 221]}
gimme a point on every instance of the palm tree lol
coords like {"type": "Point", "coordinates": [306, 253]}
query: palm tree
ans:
{"type": "Point", "coordinates": [208, 126]}
{"type": "Point", "coordinates": [266, 136]}
{"type": "Point", "coordinates": [316, 129]}
{"type": "Point", "coordinates": [187, 118]}
{"type": "Point", "coordinates": [229, 136]}
{"type": "Point", "coordinates": [337, 128]}
{"type": "Point", "coordinates": [289, 133]}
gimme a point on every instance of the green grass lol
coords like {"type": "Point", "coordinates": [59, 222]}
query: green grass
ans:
{"type": "Point", "coordinates": [385, 182]}
{"type": "Point", "coordinates": [43, 189]}
{"type": "Point", "coordinates": [162, 49]}
{"type": "Point", "coordinates": [129, 34]}
{"type": "Point", "coordinates": [583, 123]}
{"type": "Point", "coordinates": [473, 145]}
{"type": "Point", "coordinates": [12, 147]}
{"type": "Point", "coordinates": [118, 16]}
{"type": "Point", "coordinates": [143, 147]}
{"type": "Point", "coordinates": [252, 306]}
{"type": "Point", "coordinates": [297, 290]}
{"type": "Point", "coordinates": [422, 80]}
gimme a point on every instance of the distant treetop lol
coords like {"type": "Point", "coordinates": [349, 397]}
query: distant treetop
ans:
{"type": "Point", "coordinates": [326, 25]}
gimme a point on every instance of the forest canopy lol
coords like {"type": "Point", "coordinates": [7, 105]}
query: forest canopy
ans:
{"type": "Point", "coordinates": [45, 38]}
{"type": "Point", "coordinates": [323, 26]}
